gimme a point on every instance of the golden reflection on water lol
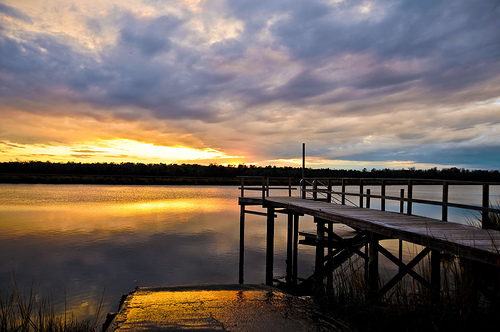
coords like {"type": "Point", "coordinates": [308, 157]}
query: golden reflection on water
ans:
{"type": "Point", "coordinates": [98, 209]}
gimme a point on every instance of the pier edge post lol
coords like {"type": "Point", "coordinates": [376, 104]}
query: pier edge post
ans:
{"type": "Point", "coordinates": [320, 251]}
{"type": "Point", "coordinates": [373, 276]}
{"type": "Point", "coordinates": [242, 244]}
{"type": "Point", "coordinates": [295, 249]}
{"type": "Point", "coordinates": [289, 251]}
{"type": "Point", "coordinates": [270, 245]}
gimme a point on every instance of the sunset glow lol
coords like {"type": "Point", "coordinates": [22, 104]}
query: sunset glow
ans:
{"type": "Point", "coordinates": [115, 151]}
{"type": "Point", "coordinates": [365, 84]}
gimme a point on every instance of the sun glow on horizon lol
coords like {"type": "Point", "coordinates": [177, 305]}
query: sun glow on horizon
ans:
{"type": "Point", "coordinates": [116, 150]}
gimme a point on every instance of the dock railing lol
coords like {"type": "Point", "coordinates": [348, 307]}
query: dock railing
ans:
{"type": "Point", "coordinates": [322, 189]}
{"type": "Point", "coordinates": [266, 184]}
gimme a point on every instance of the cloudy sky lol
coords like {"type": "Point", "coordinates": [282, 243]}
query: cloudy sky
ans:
{"type": "Point", "coordinates": [375, 83]}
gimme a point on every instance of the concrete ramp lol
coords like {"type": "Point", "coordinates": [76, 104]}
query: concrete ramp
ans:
{"type": "Point", "coordinates": [219, 308]}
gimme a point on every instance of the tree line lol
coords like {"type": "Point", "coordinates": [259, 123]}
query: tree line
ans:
{"type": "Point", "coordinates": [140, 173]}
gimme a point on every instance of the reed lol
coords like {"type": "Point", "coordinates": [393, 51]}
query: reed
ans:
{"type": "Point", "coordinates": [410, 306]}
{"type": "Point", "coordinates": [20, 312]}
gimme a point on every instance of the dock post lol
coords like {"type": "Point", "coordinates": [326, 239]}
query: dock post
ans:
{"type": "Point", "coordinates": [289, 251]}
{"type": "Point", "coordinates": [435, 275]}
{"type": "Point", "coordinates": [295, 248]}
{"type": "Point", "coordinates": [444, 211]}
{"type": "Point", "coordinates": [361, 193]}
{"type": "Point", "coordinates": [373, 276]}
{"type": "Point", "coordinates": [329, 277]}
{"type": "Point", "coordinates": [270, 245]}
{"type": "Point", "coordinates": [382, 193]}
{"type": "Point", "coordinates": [242, 244]}
{"type": "Point", "coordinates": [320, 249]}
{"type": "Point", "coordinates": [485, 218]}
{"type": "Point", "coordinates": [409, 204]}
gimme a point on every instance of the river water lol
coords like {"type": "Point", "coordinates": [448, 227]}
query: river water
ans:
{"type": "Point", "coordinates": [73, 243]}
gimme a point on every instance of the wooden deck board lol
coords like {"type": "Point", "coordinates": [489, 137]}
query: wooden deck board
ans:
{"type": "Point", "coordinates": [467, 241]}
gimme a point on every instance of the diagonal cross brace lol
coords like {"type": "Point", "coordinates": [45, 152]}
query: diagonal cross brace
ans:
{"type": "Point", "coordinates": [404, 269]}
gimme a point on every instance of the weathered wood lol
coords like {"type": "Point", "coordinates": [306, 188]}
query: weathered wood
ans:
{"type": "Point", "coordinates": [242, 244]}
{"type": "Point", "coordinates": [470, 242]}
{"type": "Point", "coordinates": [320, 247]}
{"type": "Point", "coordinates": [289, 249]}
{"type": "Point", "coordinates": [295, 248]}
{"type": "Point", "coordinates": [373, 276]}
{"type": "Point", "coordinates": [270, 246]}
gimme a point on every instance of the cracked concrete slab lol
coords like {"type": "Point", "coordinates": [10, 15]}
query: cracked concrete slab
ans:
{"type": "Point", "coordinates": [218, 308]}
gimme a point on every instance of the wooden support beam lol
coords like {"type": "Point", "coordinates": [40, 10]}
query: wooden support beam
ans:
{"type": "Point", "coordinates": [404, 269]}
{"type": "Point", "coordinates": [270, 246]}
{"type": "Point", "coordinates": [329, 280]}
{"type": "Point", "coordinates": [289, 249]}
{"type": "Point", "coordinates": [242, 245]}
{"type": "Point", "coordinates": [373, 276]}
{"type": "Point", "coordinates": [295, 248]}
{"type": "Point", "coordinates": [436, 275]}
{"type": "Point", "coordinates": [320, 247]}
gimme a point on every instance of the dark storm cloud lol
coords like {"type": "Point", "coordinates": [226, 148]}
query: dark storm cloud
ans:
{"type": "Point", "coordinates": [485, 157]}
{"type": "Point", "coordinates": [458, 41]}
{"type": "Point", "coordinates": [15, 13]}
{"type": "Point", "coordinates": [271, 72]}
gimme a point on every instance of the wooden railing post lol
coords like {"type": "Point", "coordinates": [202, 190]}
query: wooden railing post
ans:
{"type": "Point", "coordinates": [409, 204]}
{"type": "Point", "coordinates": [289, 187]}
{"type": "Point", "coordinates": [444, 213]}
{"type": "Point", "coordinates": [329, 193]}
{"type": "Point", "coordinates": [368, 191]}
{"type": "Point", "coordinates": [402, 201]}
{"type": "Point", "coordinates": [315, 187]}
{"type": "Point", "coordinates": [382, 193]}
{"type": "Point", "coordinates": [361, 193]}
{"type": "Point", "coordinates": [263, 190]}
{"type": "Point", "coordinates": [267, 187]}
{"type": "Point", "coordinates": [485, 220]}
{"type": "Point", "coordinates": [343, 191]}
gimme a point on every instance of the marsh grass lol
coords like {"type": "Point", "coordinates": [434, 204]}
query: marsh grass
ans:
{"type": "Point", "coordinates": [410, 306]}
{"type": "Point", "coordinates": [20, 312]}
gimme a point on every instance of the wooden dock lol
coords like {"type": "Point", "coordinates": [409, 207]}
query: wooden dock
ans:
{"type": "Point", "coordinates": [481, 245]}
{"type": "Point", "coordinates": [476, 248]}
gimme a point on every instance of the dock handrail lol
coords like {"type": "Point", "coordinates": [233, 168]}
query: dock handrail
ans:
{"type": "Point", "coordinates": [266, 184]}
{"type": "Point", "coordinates": [323, 187]}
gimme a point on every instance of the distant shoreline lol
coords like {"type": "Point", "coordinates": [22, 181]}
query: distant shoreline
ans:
{"type": "Point", "coordinates": [213, 174]}
{"type": "Point", "coordinates": [22, 178]}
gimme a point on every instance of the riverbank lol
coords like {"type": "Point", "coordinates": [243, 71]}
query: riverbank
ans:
{"type": "Point", "coordinates": [14, 178]}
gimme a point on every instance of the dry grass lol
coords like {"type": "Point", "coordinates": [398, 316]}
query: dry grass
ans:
{"type": "Point", "coordinates": [410, 306]}
{"type": "Point", "coordinates": [31, 313]}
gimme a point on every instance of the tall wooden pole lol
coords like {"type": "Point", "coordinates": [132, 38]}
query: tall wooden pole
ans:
{"type": "Point", "coordinates": [303, 160]}
{"type": "Point", "coordinates": [303, 170]}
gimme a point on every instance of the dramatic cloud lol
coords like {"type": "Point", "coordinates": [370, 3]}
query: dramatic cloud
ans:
{"type": "Point", "coordinates": [380, 83]}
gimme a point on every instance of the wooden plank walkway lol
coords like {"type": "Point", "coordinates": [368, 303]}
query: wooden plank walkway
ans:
{"type": "Point", "coordinates": [466, 241]}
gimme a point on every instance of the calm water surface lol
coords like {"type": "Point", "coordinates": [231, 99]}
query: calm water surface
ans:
{"type": "Point", "coordinates": [72, 242]}
{"type": "Point", "coordinates": [75, 241]}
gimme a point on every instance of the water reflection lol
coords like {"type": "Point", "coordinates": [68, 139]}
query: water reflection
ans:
{"type": "Point", "coordinates": [80, 240]}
